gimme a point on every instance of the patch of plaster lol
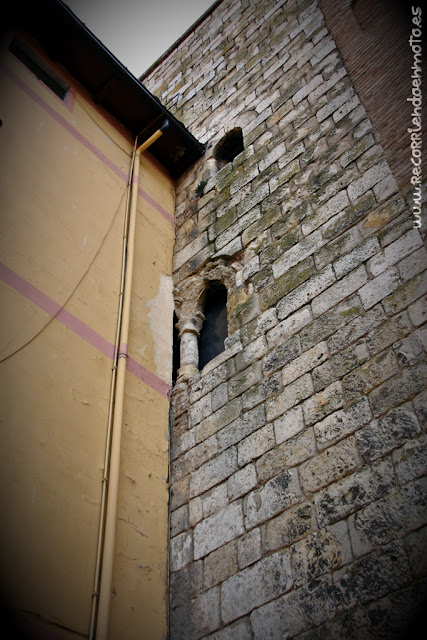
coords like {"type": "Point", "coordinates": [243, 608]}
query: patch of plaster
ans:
{"type": "Point", "coordinates": [160, 320]}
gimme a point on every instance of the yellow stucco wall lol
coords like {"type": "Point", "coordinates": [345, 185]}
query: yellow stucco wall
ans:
{"type": "Point", "coordinates": [63, 195]}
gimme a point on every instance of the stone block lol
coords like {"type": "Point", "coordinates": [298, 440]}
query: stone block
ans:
{"type": "Point", "coordinates": [360, 326]}
{"type": "Point", "coordinates": [219, 397]}
{"type": "Point", "coordinates": [285, 352]}
{"type": "Point", "coordinates": [227, 236]}
{"type": "Point", "coordinates": [213, 472]}
{"type": "Point", "coordinates": [357, 256]}
{"type": "Point", "coordinates": [357, 150]}
{"type": "Point", "coordinates": [307, 89]}
{"type": "Point", "coordinates": [179, 520]}
{"type": "Point", "coordinates": [340, 290]}
{"type": "Point", "coordinates": [346, 108]}
{"type": "Point", "coordinates": [215, 422]}
{"type": "Point", "coordinates": [289, 526]}
{"type": "Point", "coordinates": [292, 395]}
{"type": "Point", "coordinates": [187, 583]}
{"type": "Point", "coordinates": [214, 500]}
{"type": "Point", "coordinates": [405, 295]}
{"type": "Point", "coordinates": [324, 213]}
{"type": "Point", "coordinates": [195, 457]}
{"type": "Point", "coordinates": [340, 364]}
{"type": "Point", "coordinates": [285, 244]}
{"type": "Point", "coordinates": [323, 403]}
{"type": "Point", "coordinates": [395, 252]}
{"type": "Point", "coordinates": [195, 511]}
{"type": "Point", "coordinates": [413, 265]}
{"type": "Point", "coordinates": [305, 292]}
{"type": "Point", "coordinates": [339, 246]}
{"type": "Point", "coordinates": [241, 630]}
{"type": "Point", "coordinates": [329, 466]}
{"type": "Point", "coordinates": [255, 445]}
{"type": "Point", "coordinates": [276, 495]}
{"type": "Point", "coordinates": [387, 433]}
{"type": "Point", "coordinates": [320, 553]}
{"type": "Point", "coordinates": [387, 333]}
{"type": "Point", "coordinates": [255, 585]}
{"type": "Point", "coordinates": [373, 176]}
{"type": "Point", "coordinates": [377, 220]}
{"type": "Point", "coordinates": [180, 492]}
{"type": "Point", "coordinates": [289, 327]}
{"type": "Point", "coordinates": [181, 550]}
{"type": "Point", "coordinates": [249, 548]}
{"type": "Point", "coordinates": [258, 393]}
{"type": "Point", "coordinates": [373, 576]}
{"type": "Point", "coordinates": [200, 410]}
{"type": "Point", "coordinates": [244, 380]}
{"type": "Point", "coordinates": [391, 517]}
{"type": "Point", "coordinates": [385, 188]}
{"type": "Point", "coordinates": [242, 482]}
{"type": "Point", "coordinates": [297, 611]}
{"type": "Point", "coordinates": [198, 618]}
{"type": "Point", "coordinates": [246, 424]}
{"type": "Point", "coordinates": [220, 565]}
{"type": "Point", "coordinates": [362, 380]}
{"type": "Point", "coordinates": [217, 530]}
{"type": "Point", "coordinates": [398, 389]}
{"type": "Point", "coordinates": [289, 424]}
{"type": "Point", "coordinates": [342, 423]}
{"type": "Point", "coordinates": [410, 460]}
{"type": "Point", "coordinates": [415, 546]}
{"type": "Point", "coordinates": [332, 105]}
{"type": "Point", "coordinates": [288, 282]}
{"type": "Point", "coordinates": [351, 493]}
{"type": "Point", "coordinates": [190, 250]}
{"type": "Point", "coordinates": [286, 455]}
{"type": "Point", "coordinates": [299, 252]}
{"type": "Point", "coordinates": [331, 321]}
{"type": "Point", "coordinates": [253, 351]}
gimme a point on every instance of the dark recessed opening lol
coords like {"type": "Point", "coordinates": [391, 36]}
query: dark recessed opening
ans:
{"type": "Point", "coordinates": [229, 147]}
{"type": "Point", "coordinates": [215, 328]}
{"type": "Point", "coordinates": [39, 67]}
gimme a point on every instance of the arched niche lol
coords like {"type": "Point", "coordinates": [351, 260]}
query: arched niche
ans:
{"type": "Point", "coordinates": [228, 147]}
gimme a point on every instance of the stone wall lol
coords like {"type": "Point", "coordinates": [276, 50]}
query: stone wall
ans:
{"type": "Point", "coordinates": [297, 504]}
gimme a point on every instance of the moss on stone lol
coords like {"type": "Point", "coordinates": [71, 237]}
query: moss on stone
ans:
{"type": "Point", "coordinates": [350, 216]}
{"type": "Point", "coordinates": [286, 283]}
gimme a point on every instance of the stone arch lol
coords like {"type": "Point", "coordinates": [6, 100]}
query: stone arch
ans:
{"type": "Point", "coordinates": [190, 302]}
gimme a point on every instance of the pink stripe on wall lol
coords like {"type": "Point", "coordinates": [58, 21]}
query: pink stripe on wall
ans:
{"type": "Point", "coordinates": [78, 327]}
{"type": "Point", "coordinates": [156, 206]}
{"type": "Point", "coordinates": [84, 141]}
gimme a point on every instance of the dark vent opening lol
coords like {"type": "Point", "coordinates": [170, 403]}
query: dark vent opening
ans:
{"type": "Point", "coordinates": [215, 328]}
{"type": "Point", "coordinates": [39, 67]}
{"type": "Point", "coordinates": [229, 147]}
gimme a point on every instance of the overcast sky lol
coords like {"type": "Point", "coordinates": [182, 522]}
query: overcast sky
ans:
{"type": "Point", "coordinates": [137, 32]}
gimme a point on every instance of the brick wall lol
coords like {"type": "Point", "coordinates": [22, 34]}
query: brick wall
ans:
{"type": "Point", "coordinates": [298, 454]}
{"type": "Point", "coordinates": [373, 38]}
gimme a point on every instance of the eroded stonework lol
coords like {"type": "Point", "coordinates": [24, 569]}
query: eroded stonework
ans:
{"type": "Point", "coordinates": [298, 507]}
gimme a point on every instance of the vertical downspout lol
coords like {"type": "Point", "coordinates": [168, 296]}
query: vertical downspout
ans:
{"type": "Point", "coordinates": [101, 530]}
{"type": "Point", "coordinates": [106, 569]}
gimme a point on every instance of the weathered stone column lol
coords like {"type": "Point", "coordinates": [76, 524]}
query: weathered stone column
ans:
{"type": "Point", "coordinates": [190, 321]}
{"type": "Point", "coordinates": [189, 331]}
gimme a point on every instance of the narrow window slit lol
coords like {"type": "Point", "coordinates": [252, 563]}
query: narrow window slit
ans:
{"type": "Point", "coordinates": [215, 328]}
